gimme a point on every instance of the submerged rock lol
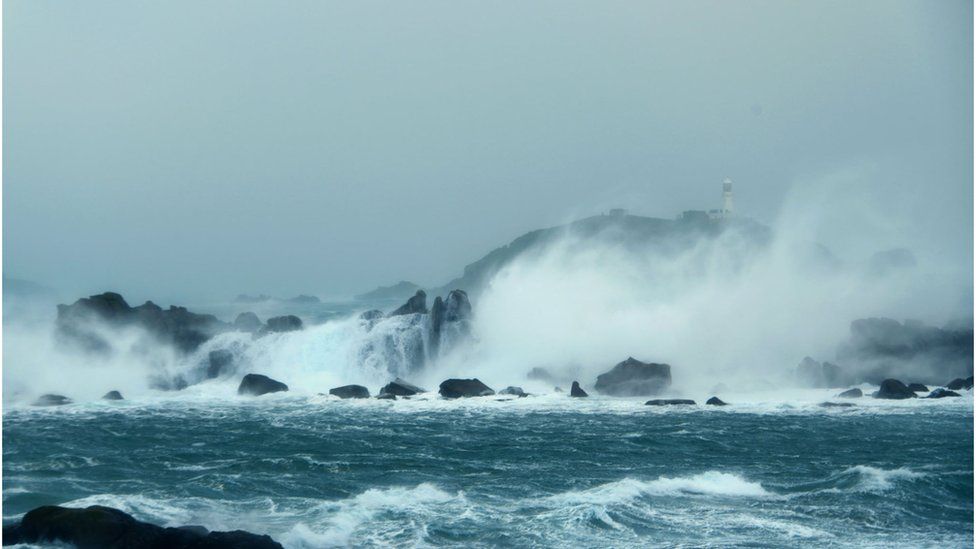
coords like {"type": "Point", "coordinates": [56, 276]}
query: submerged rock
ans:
{"type": "Point", "coordinates": [670, 402]}
{"type": "Point", "coordinates": [715, 401]}
{"type": "Point", "coordinates": [219, 362]}
{"type": "Point", "coordinates": [918, 388]}
{"type": "Point", "coordinates": [893, 389]}
{"type": "Point", "coordinates": [257, 385]}
{"type": "Point", "coordinates": [942, 393]}
{"type": "Point", "coordinates": [386, 396]}
{"type": "Point", "coordinates": [112, 395]}
{"type": "Point", "coordinates": [634, 378]}
{"type": "Point", "coordinates": [851, 393]}
{"type": "Point", "coordinates": [457, 388]}
{"type": "Point", "coordinates": [52, 400]}
{"type": "Point", "coordinates": [247, 322]}
{"type": "Point", "coordinates": [577, 391]}
{"type": "Point", "coordinates": [99, 527]}
{"type": "Point", "coordinates": [959, 383]}
{"type": "Point", "coordinates": [350, 391]}
{"type": "Point", "coordinates": [513, 390]}
{"type": "Point", "coordinates": [836, 404]}
{"type": "Point", "coordinates": [399, 387]}
{"type": "Point", "coordinates": [416, 304]}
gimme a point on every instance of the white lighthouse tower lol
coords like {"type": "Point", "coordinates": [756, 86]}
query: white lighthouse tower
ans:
{"type": "Point", "coordinates": [728, 209]}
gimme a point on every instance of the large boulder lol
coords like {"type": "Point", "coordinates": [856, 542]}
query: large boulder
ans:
{"type": "Point", "coordinates": [280, 324]}
{"type": "Point", "coordinates": [893, 389]}
{"type": "Point", "coordinates": [247, 322]}
{"type": "Point", "coordinates": [851, 393]}
{"type": "Point", "coordinates": [634, 378]}
{"type": "Point", "coordinates": [715, 401]}
{"type": "Point", "coordinates": [457, 388]}
{"type": "Point", "coordinates": [416, 304]}
{"type": "Point", "coordinates": [350, 391]}
{"type": "Point", "coordinates": [112, 395]}
{"type": "Point", "coordinates": [52, 400]}
{"type": "Point", "coordinates": [577, 391]}
{"type": "Point", "coordinates": [257, 385]}
{"type": "Point", "coordinates": [959, 383]}
{"type": "Point", "coordinates": [918, 388]}
{"type": "Point", "coordinates": [670, 402]}
{"type": "Point", "coordinates": [400, 387]}
{"type": "Point", "coordinates": [513, 390]}
{"type": "Point", "coordinates": [99, 527]}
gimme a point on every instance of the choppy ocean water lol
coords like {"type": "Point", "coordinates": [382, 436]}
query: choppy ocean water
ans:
{"type": "Point", "coordinates": [545, 471]}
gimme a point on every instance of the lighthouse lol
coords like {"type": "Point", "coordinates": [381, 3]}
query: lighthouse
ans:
{"type": "Point", "coordinates": [728, 209]}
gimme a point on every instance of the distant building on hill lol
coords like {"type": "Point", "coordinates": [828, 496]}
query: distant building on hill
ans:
{"type": "Point", "coordinates": [728, 207]}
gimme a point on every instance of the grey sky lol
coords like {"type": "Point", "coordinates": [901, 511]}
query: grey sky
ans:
{"type": "Point", "coordinates": [182, 150]}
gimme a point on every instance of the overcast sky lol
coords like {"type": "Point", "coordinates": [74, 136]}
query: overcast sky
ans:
{"type": "Point", "coordinates": [184, 150]}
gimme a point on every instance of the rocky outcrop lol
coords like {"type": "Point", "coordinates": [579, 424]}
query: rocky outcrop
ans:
{"type": "Point", "coordinates": [670, 402]}
{"type": "Point", "coordinates": [257, 385]}
{"type": "Point", "coordinates": [247, 322]}
{"type": "Point", "coordinates": [219, 362]}
{"type": "Point", "coordinates": [399, 387]}
{"type": "Point", "coordinates": [942, 393]}
{"type": "Point", "coordinates": [634, 378]}
{"type": "Point", "coordinates": [893, 389]}
{"type": "Point", "coordinates": [414, 305]}
{"type": "Point", "coordinates": [851, 393]}
{"type": "Point", "coordinates": [458, 388]}
{"type": "Point", "coordinates": [350, 391]}
{"type": "Point", "coordinates": [715, 401]}
{"type": "Point", "coordinates": [810, 373]}
{"type": "Point", "coordinates": [52, 400]}
{"type": "Point", "coordinates": [512, 390]}
{"type": "Point", "coordinates": [918, 388]}
{"type": "Point", "coordinates": [112, 395]}
{"type": "Point", "coordinates": [453, 312]}
{"type": "Point", "coordinates": [98, 527]}
{"type": "Point", "coordinates": [400, 290]}
{"type": "Point", "coordinates": [81, 322]}
{"type": "Point", "coordinates": [959, 384]}
{"type": "Point", "coordinates": [577, 391]}
{"type": "Point", "coordinates": [280, 324]}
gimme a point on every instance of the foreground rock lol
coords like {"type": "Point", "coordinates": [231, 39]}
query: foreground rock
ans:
{"type": "Point", "coordinates": [893, 389]}
{"type": "Point", "coordinates": [257, 385]}
{"type": "Point", "coordinates": [112, 395]}
{"type": "Point", "coordinates": [670, 402]}
{"type": "Point", "coordinates": [851, 393]}
{"type": "Point", "coordinates": [959, 384]}
{"type": "Point", "coordinates": [512, 390]}
{"type": "Point", "coordinates": [52, 400]}
{"type": "Point", "coordinates": [577, 391]}
{"type": "Point", "coordinates": [350, 391]}
{"type": "Point", "coordinates": [715, 401]}
{"type": "Point", "coordinates": [457, 388]}
{"type": "Point", "coordinates": [399, 387]}
{"type": "Point", "coordinates": [416, 304]}
{"type": "Point", "coordinates": [942, 393]}
{"type": "Point", "coordinates": [98, 527]}
{"type": "Point", "coordinates": [634, 378]}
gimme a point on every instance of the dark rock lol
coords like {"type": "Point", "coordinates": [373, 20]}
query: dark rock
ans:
{"type": "Point", "coordinates": [457, 388]}
{"type": "Point", "coordinates": [851, 393]}
{"type": "Point", "coordinates": [220, 362]}
{"type": "Point", "coordinates": [894, 389]}
{"type": "Point", "coordinates": [715, 401]}
{"type": "Point", "coordinates": [257, 385]}
{"type": "Point", "coordinates": [279, 324]}
{"type": "Point", "coordinates": [350, 391]}
{"type": "Point", "coordinates": [247, 322]}
{"type": "Point", "coordinates": [836, 404]}
{"type": "Point", "coordinates": [52, 400]}
{"type": "Point", "coordinates": [98, 527]}
{"type": "Point", "coordinates": [455, 310]}
{"type": "Point", "coordinates": [416, 304]}
{"type": "Point", "coordinates": [386, 396]}
{"type": "Point", "coordinates": [918, 388]}
{"type": "Point", "coordinates": [399, 387]}
{"type": "Point", "coordinates": [634, 378]}
{"type": "Point", "coordinates": [512, 390]}
{"type": "Point", "coordinates": [112, 395]}
{"type": "Point", "coordinates": [82, 321]}
{"type": "Point", "coordinates": [371, 315]}
{"type": "Point", "coordinates": [959, 383]}
{"type": "Point", "coordinates": [942, 393]}
{"type": "Point", "coordinates": [577, 391]}
{"type": "Point", "coordinates": [669, 402]}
